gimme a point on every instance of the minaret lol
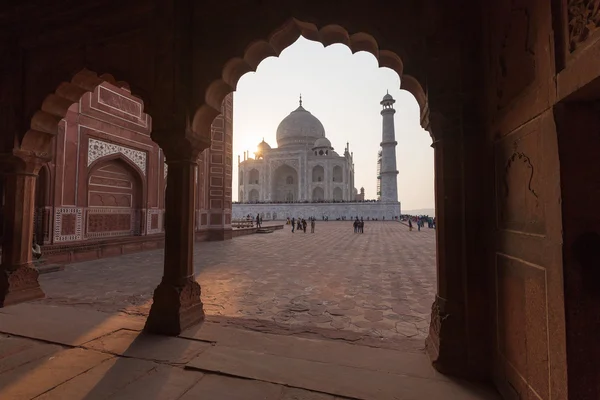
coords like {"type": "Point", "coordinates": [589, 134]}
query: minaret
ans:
{"type": "Point", "coordinates": [389, 181]}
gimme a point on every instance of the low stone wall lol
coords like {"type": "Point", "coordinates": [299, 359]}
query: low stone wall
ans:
{"type": "Point", "coordinates": [277, 211]}
{"type": "Point", "coordinates": [93, 249]}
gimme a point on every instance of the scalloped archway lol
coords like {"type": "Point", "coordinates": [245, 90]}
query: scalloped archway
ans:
{"type": "Point", "coordinates": [282, 38]}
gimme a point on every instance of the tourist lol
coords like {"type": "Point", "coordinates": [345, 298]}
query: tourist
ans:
{"type": "Point", "coordinates": [293, 224]}
{"type": "Point", "coordinates": [312, 225]}
{"type": "Point", "coordinates": [356, 225]}
{"type": "Point", "coordinates": [299, 226]}
{"type": "Point", "coordinates": [410, 224]}
{"type": "Point", "coordinates": [361, 225]}
{"type": "Point", "coordinates": [304, 225]}
{"type": "Point", "coordinates": [258, 220]}
{"type": "Point", "coordinates": [419, 224]}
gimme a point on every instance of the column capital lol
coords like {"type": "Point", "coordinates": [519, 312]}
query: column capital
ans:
{"type": "Point", "coordinates": [182, 147]}
{"type": "Point", "coordinates": [22, 162]}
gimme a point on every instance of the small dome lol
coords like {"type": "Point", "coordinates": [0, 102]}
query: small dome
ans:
{"type": "Point", "coordinates": [387, 97]}
{"type": "Point", "coordinates": [262, 146]}
{"type": "Point", "coordinates": [322, 142]}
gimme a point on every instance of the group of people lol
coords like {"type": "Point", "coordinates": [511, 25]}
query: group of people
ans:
{"type": "Point", "coordinates": [359, 226]}
{"type": "Point", "coordinates": [300, 224]}
{"type": "Point", "coordinates": [420, 222]}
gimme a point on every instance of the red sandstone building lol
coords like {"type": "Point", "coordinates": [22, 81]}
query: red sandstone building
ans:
{"type": "Point", "coordinates": [103, 193]}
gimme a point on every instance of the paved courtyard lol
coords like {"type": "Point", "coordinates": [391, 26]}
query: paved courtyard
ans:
{"type": "Point", "coordinates": [377, 286]}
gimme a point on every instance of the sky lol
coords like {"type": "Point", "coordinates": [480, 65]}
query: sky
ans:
{"type": "Point", "coordinates": [343, 91]}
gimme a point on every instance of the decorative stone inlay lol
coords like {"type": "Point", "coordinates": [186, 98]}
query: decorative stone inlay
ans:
{"type": "Point", "coordinates": [98, 149]}
{"type": "Point", "coordinates": [73, 214]}
{"type": "Point", "coordinates": [110, 217]}
{"type": "Point", "coordinates": [166, 170]}
{"type": "Point", "coordinates": [318, 210]}
{"type": "Point", "coordinates": [154, 215]}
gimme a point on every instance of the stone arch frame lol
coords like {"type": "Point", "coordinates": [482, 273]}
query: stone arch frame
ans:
{"type": "Point", "coordinates": [313, 173]}
{"type": "Point", "coordinates": [280, 39]}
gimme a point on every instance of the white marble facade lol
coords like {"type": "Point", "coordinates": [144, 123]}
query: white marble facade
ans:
{"type": "Point", "coordinates": [304, 166]}
{"type": "Point", "coordinates": [280, 212]}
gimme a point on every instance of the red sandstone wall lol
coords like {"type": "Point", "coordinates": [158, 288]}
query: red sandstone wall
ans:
{"type": "Point", "coordinates": [214, 179]}
{"type": "Point", "coordinates": [107, 174]}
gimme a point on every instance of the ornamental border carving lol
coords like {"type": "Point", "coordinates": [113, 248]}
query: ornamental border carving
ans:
{"type": "Point", "coordinates": [584, 18]}
{"type": "Point", "coordinates": [58, 214]}
{"type": "Point", "coordinates": [149, 214]}
{"type": "Point", "coordinates": [98, 149]}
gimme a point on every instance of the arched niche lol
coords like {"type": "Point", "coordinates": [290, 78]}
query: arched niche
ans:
{"type": "Point", "coordinates": [285, 184]}
{"type": "Point", "coordinates": [318, 174]}
{"type": "Point", "coordinates": [338, 194]}
{"type": "Point", "coordinates": [41, 220]}
{"type": "Point", "coordinates": [253, 177]}
{"type": "Point", "coordinates": [338, 174]}
{"type": "Point", "coordinates": [253, 196]}
{"type": "Point", "coordinates": [114, 198]}
{"type": "Point", "coordinates": [318, 194]}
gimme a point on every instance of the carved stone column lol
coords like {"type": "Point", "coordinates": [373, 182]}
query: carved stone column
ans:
{"type": "Point", "coordinates": [18, 279]}
{"type": "Point", "coordinates": [177, 304]}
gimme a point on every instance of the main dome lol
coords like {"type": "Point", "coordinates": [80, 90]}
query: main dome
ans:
{"type": "Point", "coordinates": [299, 128]}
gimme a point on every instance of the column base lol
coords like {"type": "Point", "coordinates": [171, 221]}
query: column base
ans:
{"type": "Point", "coordinates": [19, 285]}
{"type": "Point", "coordinates": [447, 345]}
{"type": "Point", "coordinates": [175, 308]}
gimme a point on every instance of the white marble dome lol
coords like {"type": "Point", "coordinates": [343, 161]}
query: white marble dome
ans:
{"type": "Point", "coordinates": [299, 128]}
{"type": "Point", "coordinates": [322, 143]}
{"type": "Point", "coordinates": [262, 146]}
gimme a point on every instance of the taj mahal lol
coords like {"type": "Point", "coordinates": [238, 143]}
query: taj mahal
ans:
{"type": "Point", "coordinates": [305, 177]}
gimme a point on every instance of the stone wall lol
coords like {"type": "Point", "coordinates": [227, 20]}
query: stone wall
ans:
{"type": "Point", "coordinates": [272, 211]}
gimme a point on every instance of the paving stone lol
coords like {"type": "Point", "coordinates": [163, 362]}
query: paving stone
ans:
{"type": "Point", "coordinates": [301, 394]}
{"type": "Point", "coordinates": [407, 329]}
{"type": "Point", "coordinates": [250, 278]}
{"type": "Point", "coordinates": [37, 377]}
{"type": "Point", "coordinates": [101, 381]}
{"type": "Point", "coordinates": [15, 351]}
{"type": "Point", "coordinates": [373, 316]}
{"type": "Point", "coordinates": [161, 383]}
{"type": "Point", "coordinates": [222, 387]}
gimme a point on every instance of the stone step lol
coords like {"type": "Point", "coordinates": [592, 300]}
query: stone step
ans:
{"type": "Point", "coordinates": [48, 268]}
{"type": "Point", "coordinates": [264, 230]}
{"type": "Point", "coordinates": [331, 378]}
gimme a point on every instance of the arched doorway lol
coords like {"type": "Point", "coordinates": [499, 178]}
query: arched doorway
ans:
{"type": "Point", "coordinates": [253, 177]}
{"type": "Point", "coordinates": [338, 175]}
{"type": "Point", "coordinates": [338, 194]}
{"type": "Point", "coordinates": [318, 194]}
{"type": "Point", "coordinates": [318, 174]}
{"type": "Point", "coordinates": [114, 199]}
{"type": "Point", "coordinates": [285, 184]}
{"type": "Point", "coordinates": [253, 196]}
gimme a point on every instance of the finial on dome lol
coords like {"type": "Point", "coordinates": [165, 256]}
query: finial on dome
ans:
{"type": "Point", "coordinates": [300, 99]}
{"type": "Point", "coordinates": [388, 92]}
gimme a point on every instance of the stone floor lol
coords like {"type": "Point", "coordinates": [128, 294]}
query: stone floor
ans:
{"type": "Point", "coordinates": [63, 352]}
{"type": "Point", "coordinates": [375, 287]}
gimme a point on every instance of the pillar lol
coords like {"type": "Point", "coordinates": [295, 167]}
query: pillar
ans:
{"type": "Point", "coordinates": [18, 278]}
{"type": "Point", "coordinates": [176, 303]}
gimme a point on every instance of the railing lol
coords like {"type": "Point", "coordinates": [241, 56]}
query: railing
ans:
{"type": "Point", "coordinates": [242, 223]}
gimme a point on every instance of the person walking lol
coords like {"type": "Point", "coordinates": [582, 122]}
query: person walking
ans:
{"type": "Point", "coordinates": [409, 225]}
{"type": "Point", "coordinates": [356, 225]}
{"type": "Point", "coordinates": [258, 220]}
{"type": "Point", "coordinates": [293, 224]}
{"type": "Point", "coordinates": [312, 225]}
{"type": "Point", "coordinates": [304, 225]}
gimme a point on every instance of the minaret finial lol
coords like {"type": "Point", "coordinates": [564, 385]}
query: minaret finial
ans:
{"type": "Point", "coordinates": [300, 99]}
